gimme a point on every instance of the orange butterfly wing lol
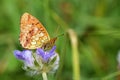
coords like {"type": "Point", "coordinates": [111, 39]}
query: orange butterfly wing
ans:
{"type": "Point", "coordinates": [32, 33]}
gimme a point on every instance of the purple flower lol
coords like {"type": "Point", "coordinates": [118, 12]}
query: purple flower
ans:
{"type": "Point", "coordinates": [26, 56]}
{"type": "Point", "coordinates": [46, 55]}
{"type": "Point", "coordinates": [46, 61]}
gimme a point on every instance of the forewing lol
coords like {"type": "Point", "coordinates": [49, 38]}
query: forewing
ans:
{"type": "Point", "coordinates": [32, 32]}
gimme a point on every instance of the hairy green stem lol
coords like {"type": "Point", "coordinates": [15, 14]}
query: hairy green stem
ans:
{"type": "Point", "coordinates": [44, 75]}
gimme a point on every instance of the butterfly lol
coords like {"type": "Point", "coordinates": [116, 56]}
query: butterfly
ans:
{"type": "Point", "coordinates": [33, 34]}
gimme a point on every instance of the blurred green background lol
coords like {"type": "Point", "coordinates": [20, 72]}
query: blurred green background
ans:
{"type": "Point", "coordinates": [96, 24]}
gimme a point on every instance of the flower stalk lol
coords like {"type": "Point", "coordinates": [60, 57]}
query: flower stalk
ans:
{"type": "Point", "coordinates": [44, 75]}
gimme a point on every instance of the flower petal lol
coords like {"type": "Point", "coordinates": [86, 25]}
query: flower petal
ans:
{"type": "Point", "coordinates": [29, 60]}
{"type": "Point", "coordinates": [26, 56]}
{"type": "Point", "coordinates": [46, 54]}
{"type": "Point", "coordinates": [40, 52]}
{"type": "Point", "coordinates": [18, 54]}
{"type": "Point", "coordinates": [53, 49]}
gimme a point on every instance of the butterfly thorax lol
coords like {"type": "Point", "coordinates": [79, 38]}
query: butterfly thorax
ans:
{"type": "Point", "coordinates": [49, 44]}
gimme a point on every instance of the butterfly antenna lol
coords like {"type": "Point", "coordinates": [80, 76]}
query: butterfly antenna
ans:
{"type": "Point", "coordinates": [60, 35]}
{"type": "Point", "coordinates": [57, 30]}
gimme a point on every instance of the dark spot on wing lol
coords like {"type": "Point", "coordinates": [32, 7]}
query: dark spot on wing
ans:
{"type": "Point", "coordinates": [28, 17]}
{"type": "Point", "coordinates": [32, 24]}
{"type": "Point", "coordinates": [37, 23]}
